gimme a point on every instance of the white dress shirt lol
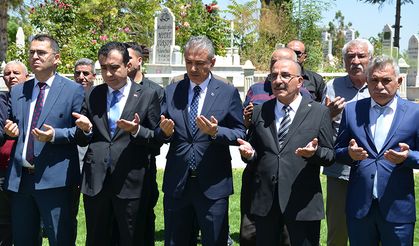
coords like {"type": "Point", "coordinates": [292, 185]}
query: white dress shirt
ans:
{"type": "Point", "coordinates": [279, 113]}
{"type": "Point", "coordinates": [35, 93]}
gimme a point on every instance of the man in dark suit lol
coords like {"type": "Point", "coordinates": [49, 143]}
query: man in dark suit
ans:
{"type": "Point", "coordinates": [379, 138]}
{"type": "Point", "coordinates": [290, 138]}
{"type": "Point", "coordinates": [201, 117]}
{"type": "Point", "coordinates": [136, 75]}
{"type": "Point", "coordinates": [44, 164]}
{"type": "Point", "coordinates": [117, 121]}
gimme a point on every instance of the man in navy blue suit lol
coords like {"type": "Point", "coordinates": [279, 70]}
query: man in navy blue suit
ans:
{"type": "Point", "coordinates": [200, 118]}
{"type": "Point", "coordinates": [379, 139]}
{"type": "Point", "coordinates": [44, 164]}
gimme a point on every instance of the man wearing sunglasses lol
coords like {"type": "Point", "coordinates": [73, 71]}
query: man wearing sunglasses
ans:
{"type": "Point", "coordinates": [313, 82]}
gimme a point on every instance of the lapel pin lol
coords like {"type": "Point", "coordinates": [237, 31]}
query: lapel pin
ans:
{"type": "Point", "coordinates": [135, 95]}
{"type": "Point", "coordinates": [212, 94]}
{"type": "Point", "coordinates": [309, 104]}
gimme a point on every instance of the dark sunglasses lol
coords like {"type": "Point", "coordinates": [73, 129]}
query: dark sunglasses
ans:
{"type": "Point", "coordinates": [299, 53]}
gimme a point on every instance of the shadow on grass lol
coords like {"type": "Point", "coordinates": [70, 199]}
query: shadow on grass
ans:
{"type": "Point", "coordinates": [159, 235]}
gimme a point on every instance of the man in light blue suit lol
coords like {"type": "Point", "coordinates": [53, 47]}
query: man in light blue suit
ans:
{"type": "Point", "coordinates": [379, 139]}
{"type": "Point", "coordinates": [44, 164]}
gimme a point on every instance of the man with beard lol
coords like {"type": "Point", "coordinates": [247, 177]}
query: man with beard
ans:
{"type": "Point", "coordinates": [352, 87]}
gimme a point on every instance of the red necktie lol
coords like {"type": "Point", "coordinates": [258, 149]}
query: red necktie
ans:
{"type": "Point", "coordinates": [35, 117]}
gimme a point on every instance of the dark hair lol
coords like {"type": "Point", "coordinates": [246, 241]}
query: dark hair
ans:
{"type": "Point", "coordinates": [118, 46]}
{"type": "Point", "coordinates": [136, 47]}
{"type": "Point", "coordinates": [46, 37]}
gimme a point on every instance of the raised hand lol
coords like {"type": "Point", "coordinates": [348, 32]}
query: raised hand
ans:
{"type": "Point", "coordinates": [44, 136]}
{"type": "Point", "coordinates": [167, 126]}
{"type": "Point", "coordinates": [11, 129]}
{"type": "Point", "coordinates": [355, 152]}
{"type": "Point", "coordinates": [246, 150]}
{"type": "Point", "coordinates": [397, 157]}
{"type": "Point", "coordinates": [335, 106]}
{"type": "Point", "coordinates": [309, 150]}
{"type": "Point", "coordinates": [129, 126]}
{"type": "Point", "coordinates": [209, 127]}
{"type": "Point", "coordinates": [82, 122]}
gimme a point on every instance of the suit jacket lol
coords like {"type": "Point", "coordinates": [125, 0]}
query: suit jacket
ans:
{"type": "Point", "coordinates": [297, 178]}
{"type": "Point", "coordinates": [56, 163]}
{"type": "Point", "coordinates": [314, 83]}
{"type": "Point", "coordinates": [4, 99]}
{"type": "Point", "coordinates": [212, 155]}
{"type": "Point", "coordinates": [126, 157]}
{"type": "Point", "coordinates": [395, 185]}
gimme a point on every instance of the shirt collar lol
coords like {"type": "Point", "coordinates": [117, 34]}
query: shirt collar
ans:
{"type": "Point", "coordinates": [203, 85]}
{"type": "Point", "coordinates": [48, 82]}
{"type": "Point", "coordinates": [294, 104]}
{"type": "Point", "coordinates": [349, 84]}
{"type": "Point", "coordinates": [124, 89]}
{"type": "Point", "coordinates": [392, 104]}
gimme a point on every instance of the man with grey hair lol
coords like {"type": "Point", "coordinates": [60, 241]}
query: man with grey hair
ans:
{"type": "Point", "coordinates": [201, 117]}
{"type": "Point", "coordinates": [339, 91]}
{"type": "Point", "coordinates": [378, 138]}
{"type": "Point", "coordinates": [84, 73]}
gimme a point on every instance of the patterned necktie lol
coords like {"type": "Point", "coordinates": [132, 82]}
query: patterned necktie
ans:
{"type": "Point", "coordinates": [379, 135]}
{"type": "Point", "coordinates": [114, 113]}
{"type": "Point", "coordinates": [35, 117]}
{"type": "Point", "coordinates": [193, 112]}
{"type": "Point", "coordinates": [285, 125]}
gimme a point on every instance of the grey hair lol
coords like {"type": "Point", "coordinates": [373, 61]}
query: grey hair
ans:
{"type": "Point", "coordinates": [380, 62]}
{"type": "Point", "coordinates": [358, 41]}
{"type": "Point", "coordinates": [16, 62]}
{"type": "Point", "coordinates": [200, 42]}
{"type": "Point", "coordinates": [85, 61]}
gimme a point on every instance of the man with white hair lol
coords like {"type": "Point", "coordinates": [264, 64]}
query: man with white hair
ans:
{"type": "Point", "coordinates": [339, 91]}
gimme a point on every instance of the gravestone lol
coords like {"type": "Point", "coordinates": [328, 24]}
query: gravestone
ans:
{"type": "Point", "coordinates": [164, 37]}
{"type": "Point", "coordinates": [387, 40]}
{"type": "Point", "coordinates": [349, 35]}
{"type": "Point", "coordinates": [413, 54]}
{"type": "Point", "coordinates": [327, 45]}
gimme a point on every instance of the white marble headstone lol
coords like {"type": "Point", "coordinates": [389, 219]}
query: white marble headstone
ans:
{"type": "Point", "coordinates": [413, 54]}
{"type": "Point", "coordinates": [164, 37]}
{"type": "Point", "coordinates": [387, 40]}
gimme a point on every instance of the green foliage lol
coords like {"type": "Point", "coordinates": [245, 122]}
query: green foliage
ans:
{"type": "Point", "coordinates": [193, 18]}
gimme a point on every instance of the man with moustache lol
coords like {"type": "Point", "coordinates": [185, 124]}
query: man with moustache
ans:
{"type": "Point", "coordinates": [379, 138]}
{"type": "Point", "coordinates": [352, 87]}
{"type": "Point", "coordinates": [136, 75]}
{"type": "Point", "coordinates": [201, 117]}
{"type": "Point", "coordinates": [14, 72]}
{"type": "Point", "coordinates": [289, 139]}
{"type": "Point", "coordinates": [84, 73]}
{"type": "Point", "coordinates": [117, 122]}
{"type": "Point", "coordinates": [44, 163]}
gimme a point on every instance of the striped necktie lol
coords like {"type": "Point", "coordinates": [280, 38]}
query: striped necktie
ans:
{"type": "Point", "coordinates": [285, 125]}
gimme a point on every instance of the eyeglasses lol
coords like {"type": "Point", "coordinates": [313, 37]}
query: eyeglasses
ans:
{"type": "Point", "coordinates": [299, 53]}
{"type": "Point", "coordinates": [285, 77]}
{"type": "Point", "coordinates": [85, 73]}
{"type": "Point", "coordinates": [40, 53]}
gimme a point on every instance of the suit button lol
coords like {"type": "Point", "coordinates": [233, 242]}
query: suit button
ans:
{"type": "Point", "coordinates": [372, 176]}
{"type": "Point", "coordinates": [274, 179]}
{"type": "Point", "coordinates": [105, 160]}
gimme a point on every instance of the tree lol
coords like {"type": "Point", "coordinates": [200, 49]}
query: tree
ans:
{"type": "Point", "coordinates": [396, 26]}
{"type": "Point", "coordinates": [5, 5]}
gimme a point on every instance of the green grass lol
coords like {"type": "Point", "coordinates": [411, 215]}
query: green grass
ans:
{"type": "Point", "coordinates": [234, 213]}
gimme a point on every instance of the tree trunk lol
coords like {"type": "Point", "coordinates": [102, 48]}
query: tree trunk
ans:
{"type": "Point", "coordinates": [4, 17]}
{"type": "Point", "coordinates": [397, 24]}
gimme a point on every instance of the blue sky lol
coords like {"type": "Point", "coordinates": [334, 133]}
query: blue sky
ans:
{"type": "Point", "coordinates": [369, 19]}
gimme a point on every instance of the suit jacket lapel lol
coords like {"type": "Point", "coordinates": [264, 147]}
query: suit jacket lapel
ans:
{"type": "Point", "coordinates": [53, 94]}
{"type": "Point", "coordinates": [210, 97]}
{"type": "Point", "coordinates": [132, 100]}
{"type": "Point", "coordinates": [27, 97]}
{"type": "Point", "coordinates": [182, 93]}
{"type": "Point", "coordinates": [268, 115]}
{"type": "Point", "coordinates": [397, 119]}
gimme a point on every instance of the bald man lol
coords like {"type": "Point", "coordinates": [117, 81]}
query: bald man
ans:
{"type": "Point", "coordinates": [313, 82]}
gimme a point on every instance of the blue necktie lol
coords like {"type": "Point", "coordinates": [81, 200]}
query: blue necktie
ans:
{"type": "Point", "coordinates": [193, 112]}
{"type": "Point", "coordinates": [114, 113]}
{"type": "Point", "coordinates": [284, 127]}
